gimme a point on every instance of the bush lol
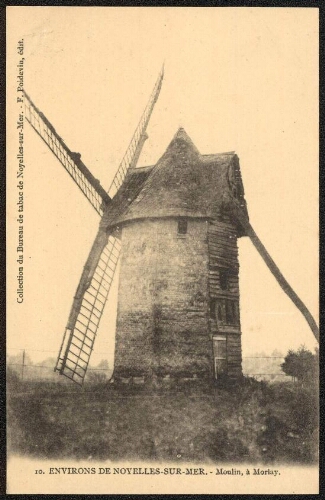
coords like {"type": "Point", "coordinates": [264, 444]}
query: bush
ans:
{"type": "Point", "coordinates": [96, 377]}
{"type": "Point", "coordinates": [302, 365]}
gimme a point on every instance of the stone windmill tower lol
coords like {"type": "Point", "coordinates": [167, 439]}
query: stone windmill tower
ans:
{"type": "Point", "coordinates": [177, 223]}
{"type": "Point", "coordinates": [178, 305]}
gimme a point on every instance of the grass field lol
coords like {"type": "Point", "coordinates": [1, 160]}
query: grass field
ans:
{"type": "Point", "coordinates": [250, 422]}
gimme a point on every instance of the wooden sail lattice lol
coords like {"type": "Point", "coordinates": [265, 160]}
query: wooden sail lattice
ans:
{"type": "Point", "coordinates": [90, 186]}
{"type": "Point", "coordinates": [80, 334]}
{"type": "Point", "coordinates": [134, 149]}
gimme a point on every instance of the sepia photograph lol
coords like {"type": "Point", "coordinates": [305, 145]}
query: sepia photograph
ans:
{"type": "Point", "coordinates": [162, 250]}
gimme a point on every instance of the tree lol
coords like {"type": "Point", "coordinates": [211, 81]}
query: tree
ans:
{"type": "Point", "coordinates": [301, 364]}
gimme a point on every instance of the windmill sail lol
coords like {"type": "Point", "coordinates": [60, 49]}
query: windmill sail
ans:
{"type": "Point", "coordinates": [133, 151]}
{"type": "Point", "coordinates": [243, 220]}
{"type": "Point", "coordinates": [98, 273]}
{"type": "Point", "coordinates": [84, 179]}
{"type": "Point", "coordinates": [87, 307]}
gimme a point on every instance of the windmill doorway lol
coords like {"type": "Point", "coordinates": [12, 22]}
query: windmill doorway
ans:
{"type": "Point", "coordinates": [220, 356]}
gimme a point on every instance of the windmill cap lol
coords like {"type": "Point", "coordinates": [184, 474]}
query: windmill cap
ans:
{"type": "Point", "coordinates": [183, 183]}
{"type": "Point", "coordinates": [182, 136]}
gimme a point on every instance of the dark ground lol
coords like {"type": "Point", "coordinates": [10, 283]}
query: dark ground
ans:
{"type": "Point", "coordinates": [252, 422]}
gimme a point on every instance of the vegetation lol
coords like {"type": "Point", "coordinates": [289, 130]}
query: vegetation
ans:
{"type": "Point", "coordinates": [176, 421]}
{"type": "Point", "coordinates": [27, 370]}
{"type": "Point", "coordinates": [302, 365]}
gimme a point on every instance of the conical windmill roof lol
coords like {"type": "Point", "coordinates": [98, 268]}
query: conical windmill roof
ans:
{"type": "Point", "coordinates": [182, 183]}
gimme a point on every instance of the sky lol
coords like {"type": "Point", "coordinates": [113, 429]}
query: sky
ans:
{"type": "Point", "coordinates": [237, 79]}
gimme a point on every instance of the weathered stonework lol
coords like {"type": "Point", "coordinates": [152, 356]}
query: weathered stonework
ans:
{"type": "Point", "coordinates": [162, 320]}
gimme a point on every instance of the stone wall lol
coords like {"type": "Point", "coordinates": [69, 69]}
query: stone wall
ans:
{"type": "Point", "coordinates": [163, 304]}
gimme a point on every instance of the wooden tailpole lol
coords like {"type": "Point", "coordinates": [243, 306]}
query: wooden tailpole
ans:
{"type": "Point", "coordinates": [244, 222]}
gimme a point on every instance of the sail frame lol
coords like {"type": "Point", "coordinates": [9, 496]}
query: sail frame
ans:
{"type": "Point", "coordinates": [72, 163]}
{"type": "Point", "coordinates": [87, 309]}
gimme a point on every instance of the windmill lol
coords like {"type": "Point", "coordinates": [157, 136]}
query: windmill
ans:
{"type": "Point", "coordinates": [179, 220]}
